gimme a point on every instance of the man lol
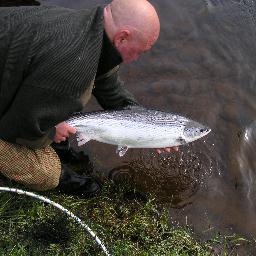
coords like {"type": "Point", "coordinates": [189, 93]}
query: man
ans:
{"type": "Point", "coordinates": [51, 60]}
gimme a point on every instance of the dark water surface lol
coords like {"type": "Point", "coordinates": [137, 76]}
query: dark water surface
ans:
{"type": "Point", "coordinates": [203, 66]}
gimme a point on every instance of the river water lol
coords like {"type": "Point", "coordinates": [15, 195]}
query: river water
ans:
{"type": "Point", "coordinates": [203, 67]}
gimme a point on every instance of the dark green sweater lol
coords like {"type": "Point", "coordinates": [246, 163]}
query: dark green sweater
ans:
{"type": "Point", "coordinates": [49, 56]}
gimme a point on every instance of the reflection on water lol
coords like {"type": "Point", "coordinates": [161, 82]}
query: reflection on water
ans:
{"type": "Point", "coordinates": [247, 161]}
{"type": "Point", "coordinates": [203, 67]}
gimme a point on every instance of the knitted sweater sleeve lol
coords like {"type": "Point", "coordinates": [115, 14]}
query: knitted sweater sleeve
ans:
{"type": "Point", "coordinates": [110, 92]}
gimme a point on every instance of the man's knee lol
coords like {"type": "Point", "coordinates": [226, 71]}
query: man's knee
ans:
{"type": "Point", "coordinates": [47, 182]}
{"type": "Point", "coordinates": [37, 169]}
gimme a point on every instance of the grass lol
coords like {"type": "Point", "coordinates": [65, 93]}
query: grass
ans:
{"type": "Point", "coordinates": [128, 224]}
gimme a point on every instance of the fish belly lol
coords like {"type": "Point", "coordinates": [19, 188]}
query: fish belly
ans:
{"type": "Point", "coordinates": [133, 136]}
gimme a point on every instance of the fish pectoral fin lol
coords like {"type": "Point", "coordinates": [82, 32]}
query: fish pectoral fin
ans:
{"type": "Point", "coordinates": [81, 139]}
{"type": "Point", "coordinates": [121, 150]}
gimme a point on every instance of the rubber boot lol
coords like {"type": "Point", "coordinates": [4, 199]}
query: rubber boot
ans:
{"type": "Point", "coordinates": [72, 183]}
{"type": "Point", "coordinates": [77, 161]}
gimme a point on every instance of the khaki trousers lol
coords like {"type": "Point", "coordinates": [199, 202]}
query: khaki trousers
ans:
{"type": "Point", "coordinates": [38, 169]}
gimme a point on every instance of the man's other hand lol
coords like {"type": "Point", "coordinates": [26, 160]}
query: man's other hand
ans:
{"type": "Point", "coordinates": [169, 150]}
{"type": "Point", "coordinates": [63, 131]}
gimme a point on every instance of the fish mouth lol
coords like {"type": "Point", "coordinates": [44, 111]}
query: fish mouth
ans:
{"type": "Point", "coordinates": [205, 130]}
{"type": "Point", "coordinates": [194, 131]}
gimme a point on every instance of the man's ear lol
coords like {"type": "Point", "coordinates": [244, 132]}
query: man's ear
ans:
{"type": "Point", "coordinates": [121, 37]}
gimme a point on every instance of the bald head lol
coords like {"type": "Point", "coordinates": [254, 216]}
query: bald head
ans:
{"type": "Point", "coordinates": [139, 14]}
{"type": "Point", "coordinates": [130, 22]}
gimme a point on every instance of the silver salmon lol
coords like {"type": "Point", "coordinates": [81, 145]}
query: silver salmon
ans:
{"type": "Point", "coordinates": [136, 128]}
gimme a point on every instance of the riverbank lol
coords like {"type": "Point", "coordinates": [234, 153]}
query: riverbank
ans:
{"type": "Point", "coordinates": [127, 222]}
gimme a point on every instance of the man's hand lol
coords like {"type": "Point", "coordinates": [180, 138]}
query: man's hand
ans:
{"type": "Point", "coordinates": [63, 131]}
{"type": "Point", "coordinates": [169, 150]}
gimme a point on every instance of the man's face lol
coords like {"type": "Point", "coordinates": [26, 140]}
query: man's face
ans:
{"type": "Point", "coordinates": [130, 50]}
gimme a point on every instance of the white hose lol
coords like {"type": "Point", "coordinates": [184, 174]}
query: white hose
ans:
{"type": "Point", "coordinates": [46, 200]}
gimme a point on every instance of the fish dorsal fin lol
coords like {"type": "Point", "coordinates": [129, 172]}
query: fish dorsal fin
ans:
{"type": "Point", "coordinates": [121, 150]}
{"type": "Point", "coordinates": [81, 139]}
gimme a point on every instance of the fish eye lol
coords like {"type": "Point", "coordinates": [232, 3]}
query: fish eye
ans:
{"type": "Point", "coordinates": [202, 130]}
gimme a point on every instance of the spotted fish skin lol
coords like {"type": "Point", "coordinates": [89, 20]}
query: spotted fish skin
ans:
{"type": "Point", "coordinates": [136, 128]}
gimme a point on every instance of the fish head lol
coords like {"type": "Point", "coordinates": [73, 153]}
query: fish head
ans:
{"type": "Point", "coordinates": [194, 130]}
